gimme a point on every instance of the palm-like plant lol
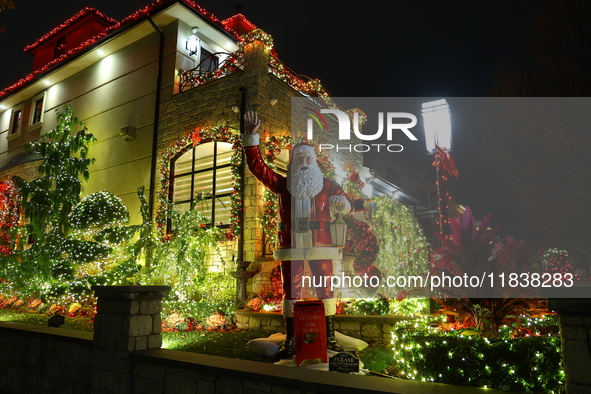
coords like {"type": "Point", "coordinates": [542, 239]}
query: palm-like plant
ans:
{"type": "Point", "coordinates": [478, 252]}
{"type": "Point", "coordinates": [468, 250]}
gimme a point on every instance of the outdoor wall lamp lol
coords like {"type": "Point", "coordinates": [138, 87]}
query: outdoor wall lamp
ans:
{"type": "Point", "coordinates": [193, 44]}
{"type": "Point", "coordinates": [127, 133]}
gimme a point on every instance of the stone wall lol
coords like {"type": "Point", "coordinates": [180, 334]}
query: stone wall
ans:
{"type": "Point", "coordinates": [27, 170]}
{"type": "Point", "coordinates": [52, 360]}
{"type": "Point", "coordinates": [36, 359]}
{"type": "Point", "coordinates": [368, 328]}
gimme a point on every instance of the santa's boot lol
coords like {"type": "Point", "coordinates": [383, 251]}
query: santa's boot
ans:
{"type": "Point", "coordinates": [288, 348]}
{"type": "Point", "coordinates": [331, 340]}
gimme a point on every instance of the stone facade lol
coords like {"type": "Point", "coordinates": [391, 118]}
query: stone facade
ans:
{"type": "Point", "coordinates": [27, 170]}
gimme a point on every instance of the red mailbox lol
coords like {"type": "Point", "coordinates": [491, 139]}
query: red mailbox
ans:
{"type": "Point", "coordinates": [310, 331]}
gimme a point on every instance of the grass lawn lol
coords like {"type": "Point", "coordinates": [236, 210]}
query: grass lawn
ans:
{"type": "Point", "coordinates": [232, 344]}
{"type": "Point", "coordinates": [73, 323]}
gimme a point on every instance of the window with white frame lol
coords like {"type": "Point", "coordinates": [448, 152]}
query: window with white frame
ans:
{"type": "Point", "coordinates": [16, 121]}
{"type": "Point", "coordinates": [204, 171]}
{"type": "Point", "coordinates": [37, 110]}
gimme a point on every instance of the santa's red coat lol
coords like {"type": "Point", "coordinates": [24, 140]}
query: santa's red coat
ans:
{"type": "Point", "coordinates": [277, 183]}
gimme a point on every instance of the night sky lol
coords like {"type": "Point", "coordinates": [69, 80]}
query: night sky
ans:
{"type": "Point", "coordinates": [357, 49]}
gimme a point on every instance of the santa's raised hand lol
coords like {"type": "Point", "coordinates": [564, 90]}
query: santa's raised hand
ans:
{"type": "Point", "coordinates": [251, 122]}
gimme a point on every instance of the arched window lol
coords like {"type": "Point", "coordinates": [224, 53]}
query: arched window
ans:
{"type": "Point", "coordinates": [204, 170]}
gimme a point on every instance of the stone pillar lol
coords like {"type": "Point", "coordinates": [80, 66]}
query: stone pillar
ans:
{"type": "Point", "coordinates": [128, 317]}
{"type": "Point", "coordinates": [127, 320]}
{"type": "Point", "coordinates": [575, 329]}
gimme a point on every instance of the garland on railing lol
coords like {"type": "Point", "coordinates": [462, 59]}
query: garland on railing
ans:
{"type": "Point", "coordinates": [234, 62]}
{"type": "Point", "coordinates": [216, 133]}
{"type": "Point", "coordinates": [362, 117]}
{"type": "Point", "coordinates": [190, 79]}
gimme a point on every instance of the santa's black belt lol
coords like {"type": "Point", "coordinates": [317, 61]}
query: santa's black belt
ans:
{"type": "Point", "coordinates": [304, 225]}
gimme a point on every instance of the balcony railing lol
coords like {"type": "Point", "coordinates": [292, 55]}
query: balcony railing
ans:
{"type": "Point", "coordinates": [210, 69]}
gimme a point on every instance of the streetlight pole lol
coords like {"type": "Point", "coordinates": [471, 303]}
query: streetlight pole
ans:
{"type": "Point", "coordinates": [438, 139]}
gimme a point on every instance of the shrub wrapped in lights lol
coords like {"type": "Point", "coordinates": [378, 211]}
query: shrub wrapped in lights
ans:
{"type": "Point", "coordinates": [98, 211]}
{"type": "Point", "coordinates": [531, 364]}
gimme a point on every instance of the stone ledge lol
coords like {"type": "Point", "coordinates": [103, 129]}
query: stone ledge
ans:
{"type": "Point", "coordinates": [368, 328]}
{"type": "Point", "coordinates": [130, 292]}
{"type": "Point", "coordinates": [571, 305]}
{"type": "Point", "coordinates": [372, 319]}
{"type": "Point", "coordinates": [75, 335]}
{"type": "Point", "coordinates": [301, 379]}
{"type": "Point", "coordinates": [360, 318]}
{"type": "Point", "coordinates": [261, 315]}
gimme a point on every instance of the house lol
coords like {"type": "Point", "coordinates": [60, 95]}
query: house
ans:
{"type": "Point", "coordinates": [164, 91]}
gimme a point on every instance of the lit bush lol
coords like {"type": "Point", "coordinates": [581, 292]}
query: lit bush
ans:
{"type": "Point", "coordinates": [181, 263]}
{"type": "Point", "coordinates": [530, 364]}
{"type": "Point", "coordinates": [99, 210]}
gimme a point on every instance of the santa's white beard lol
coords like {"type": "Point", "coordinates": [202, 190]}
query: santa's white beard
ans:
{"type": "Point", "coordinates": [304, 184]}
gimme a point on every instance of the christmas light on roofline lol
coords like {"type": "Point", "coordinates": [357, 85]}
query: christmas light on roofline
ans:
{"type": "Point", "coordinates": [116, 25]}
{"type": "Point", "coordinates": [85, 11]}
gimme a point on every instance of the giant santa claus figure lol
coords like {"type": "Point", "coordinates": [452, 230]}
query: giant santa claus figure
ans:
{"type": "Point", "coordinates": [305, 199]}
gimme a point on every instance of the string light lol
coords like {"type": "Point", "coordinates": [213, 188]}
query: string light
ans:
{"type": "Point", "coordinates": [516, 364]}
{"type": "Point", "coordinates": [231, 19]}
{"type": "Point", "coordinates": [79, 15]}
{"type": "Point", "coordinates": [404, 250]}
{"type": "Point", "coordinates": [9, 215]}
